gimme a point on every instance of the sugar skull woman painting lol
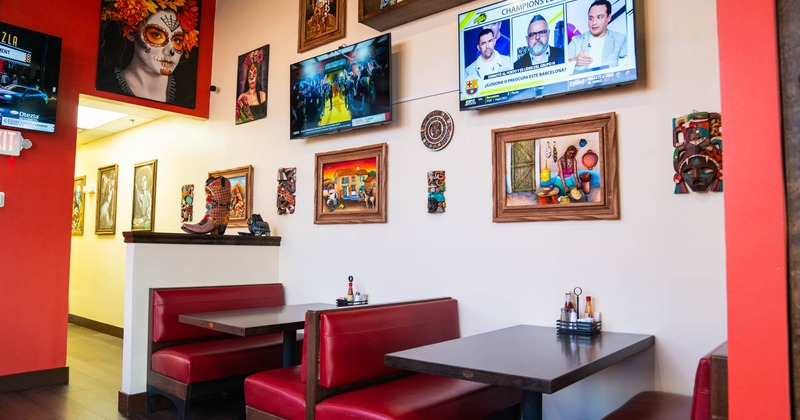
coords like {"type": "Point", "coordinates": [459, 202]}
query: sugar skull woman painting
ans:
{"type": "Point", "coordinates": [251, 104]}
{"type": "Point", "coordinates": [148, 49]}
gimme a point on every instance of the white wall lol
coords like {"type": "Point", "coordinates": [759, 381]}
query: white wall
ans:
{"type": "Point", "coordinates": [658, 270]}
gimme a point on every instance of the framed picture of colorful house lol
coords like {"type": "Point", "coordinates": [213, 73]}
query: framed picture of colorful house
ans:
{"type": "Point", "coordinates": [556, 170]}
{"type": "Point", "coordinates": [350, 185]}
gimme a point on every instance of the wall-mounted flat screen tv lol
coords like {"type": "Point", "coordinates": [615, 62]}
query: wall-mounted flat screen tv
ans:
{"type": "Point", "coordinates": [343, 89]}
{"type": "Point", "coordinates": [29, 64]}
{"type": "Point", "coordinates": [515, 51]}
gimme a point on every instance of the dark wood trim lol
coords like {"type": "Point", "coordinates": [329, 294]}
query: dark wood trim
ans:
{"type": "Point", "coordinates": [35, 379]}
{"type": "Point", "coordinates": [719, 382]}
{"type": "Point", "coordinates": [193, 239]}
{"type": "Point", "coordinates": [95, 325]}
{"type": "Point", "coordinates": [131, 404]}
{"type": "Point", "coordinates": [788, 13]}
{"type": "Point", "coordinates": [370, 13]}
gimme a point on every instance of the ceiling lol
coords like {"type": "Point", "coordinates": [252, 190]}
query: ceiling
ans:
{"type": "Point", "coordinates": [134, 117]}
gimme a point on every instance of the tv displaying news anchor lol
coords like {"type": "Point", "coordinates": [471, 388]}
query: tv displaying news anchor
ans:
{"type": "Point", "coordinates": [599, 40]}
{"type": "Point", "coordinates": [540, 30]}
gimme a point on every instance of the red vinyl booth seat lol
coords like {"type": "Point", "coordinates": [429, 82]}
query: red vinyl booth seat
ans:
{"type": "Point", "coordinates": [279, 392]}
{"type": "Point", "coordinates": [353, 380]}
{"type": "Point", "coordinates": [658, 405]}
{"type": "Point", "coordinates": [207, 361]}
{"type": "Point", "coordinates": [419, 397]}
{"type": "Point", "coordinates": [188, 361]}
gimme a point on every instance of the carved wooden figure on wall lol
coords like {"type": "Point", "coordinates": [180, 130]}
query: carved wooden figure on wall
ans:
{"type": "Point", "coordinates": [697, 138]}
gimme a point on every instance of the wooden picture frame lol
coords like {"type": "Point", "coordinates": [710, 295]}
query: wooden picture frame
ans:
{"type": "Point", "coordinates": [350, 185]}
{"type": "Point", "coordinates": [531, 164]}
{"type": "Point", "coordinates": [78, 204]}
{"type": "Point", "coordinates": [321, 22]}
{"type": "Point", "coordinates": [144, 196]}
{"type": "Point", "coordinates": [241, 179]}
{"type": "Point", "coordinates": [106, 211]}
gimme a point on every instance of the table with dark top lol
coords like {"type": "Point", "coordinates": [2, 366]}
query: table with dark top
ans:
{"type": "Point", "coordinates": [534, 359]}
{"type": "Point", "coordinates": [255, 321]}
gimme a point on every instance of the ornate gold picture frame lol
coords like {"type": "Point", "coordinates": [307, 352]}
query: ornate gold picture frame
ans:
{"type": "Point", "coordinates": [78, 204]}
{"type": "Point", "coordinates": [144, 196]}
{"type": "Point", "coordinates": [106, 212]}
{"type": "Point", "coordinates": [321, 22]}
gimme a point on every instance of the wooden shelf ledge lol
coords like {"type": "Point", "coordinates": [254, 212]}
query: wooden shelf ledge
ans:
{"type": "Point", "coordinates": [370, 13]}
{"type": "Point", "coordinates": [194, 239]}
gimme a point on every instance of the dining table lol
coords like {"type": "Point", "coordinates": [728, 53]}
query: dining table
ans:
{"type": "Point", "coordinates": [286, 319]}
{"type": "Point", "coordinates": [535, 359]}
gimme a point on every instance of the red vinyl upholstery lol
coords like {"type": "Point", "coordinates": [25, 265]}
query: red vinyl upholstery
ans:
{"type": "Point", "coordinates": [353, 343]}
{"type": "Point", "coordinates": [167, 304]}
{"type": "Point", "coordinates": [279, 392]}
{"type": "Point", "coordinates": [188, 361]}
{"type": "Point", "coordinates": [210, 360]}
{"type": "Point", "coordinates": [657, 405]}
{"type": "Point", "coordinates": [701, 399]}
{"type": "Point", "coordinates": [351, 347]}
{"type": "Point", "coordinates": [419, 397]}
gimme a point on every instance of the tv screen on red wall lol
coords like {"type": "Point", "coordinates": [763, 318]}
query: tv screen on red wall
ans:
{"type": "Point", "coordinates": [29, 67]}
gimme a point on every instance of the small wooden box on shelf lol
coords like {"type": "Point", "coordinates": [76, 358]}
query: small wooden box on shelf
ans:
{"type": "Point", "coordinates": [371, 14]}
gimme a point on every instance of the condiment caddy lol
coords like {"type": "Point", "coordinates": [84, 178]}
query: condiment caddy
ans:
{"type": "Point", "coordinates": [569, 323]}
{"type": "Point", "coordinates": [351, 299]}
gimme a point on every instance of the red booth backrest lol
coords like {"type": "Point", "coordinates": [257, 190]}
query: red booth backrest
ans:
{"type": "Point", "coordinates": [701, 398]}
{"type": "Point", "coordinates": [353, 343]}
{"type": "Point", "coordinates": [167, 304]}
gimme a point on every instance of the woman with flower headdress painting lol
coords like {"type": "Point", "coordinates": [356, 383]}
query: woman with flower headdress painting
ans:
{"type": "Point", "coordinates": [252, 102]}
{"type": "Point", "coordinates": [146, 49]}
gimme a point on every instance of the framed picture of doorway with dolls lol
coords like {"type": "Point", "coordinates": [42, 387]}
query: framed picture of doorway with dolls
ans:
{"type": "Point", "coordinates": [556, 170]}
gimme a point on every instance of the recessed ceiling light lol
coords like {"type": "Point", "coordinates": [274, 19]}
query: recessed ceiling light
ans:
{"type": "Point", "coordinates": [89, 118]}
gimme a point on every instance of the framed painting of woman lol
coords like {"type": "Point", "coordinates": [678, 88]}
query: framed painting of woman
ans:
{"type": "Point", "coordinates": [78, 204]}
{"type": "Point", "coordinates": [149, 50]}
{"type": "Point", "coordinates": [253, 69]}
{"type": "Point", "coordinates": [144, 196]}
{"type": "Point", "coordinates": [106, 212]}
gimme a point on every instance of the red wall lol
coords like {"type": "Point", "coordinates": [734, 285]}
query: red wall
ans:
{"type": "Point", "coordinates": [35, 222]}
{"type": "Point", "coordinates": [755, 215]}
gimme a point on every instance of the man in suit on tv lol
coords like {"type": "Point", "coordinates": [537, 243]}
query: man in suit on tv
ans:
{"type": "Point", "coordinates": [539, 50]}
{"type": "Point", "coordinates": [600, 47]}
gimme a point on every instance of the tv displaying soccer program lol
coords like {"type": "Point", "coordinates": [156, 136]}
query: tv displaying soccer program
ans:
{"type": "Point", "coordinates": [343, 89]}
{"type": "Point", "coordinates": [29, 64]}
{"type": "Point", "coordinates": [516, 51]}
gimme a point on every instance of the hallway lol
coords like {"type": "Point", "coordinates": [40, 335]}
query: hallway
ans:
{"type": "Point", "coordinates": [95, 374]}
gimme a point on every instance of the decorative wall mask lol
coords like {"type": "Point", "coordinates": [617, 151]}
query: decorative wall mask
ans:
{"type": "Point", "coordinates": [436, 188]}
{"type": "Point", "coordinates": [287, 178]}
{"type": "Point", "coordinates": [697, 159]}
{"type": "Point", "coordinates": [187, 202]}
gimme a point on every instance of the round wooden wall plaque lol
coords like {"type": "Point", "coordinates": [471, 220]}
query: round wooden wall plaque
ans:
{"type": "Point", "coordinates": [436, 130]}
